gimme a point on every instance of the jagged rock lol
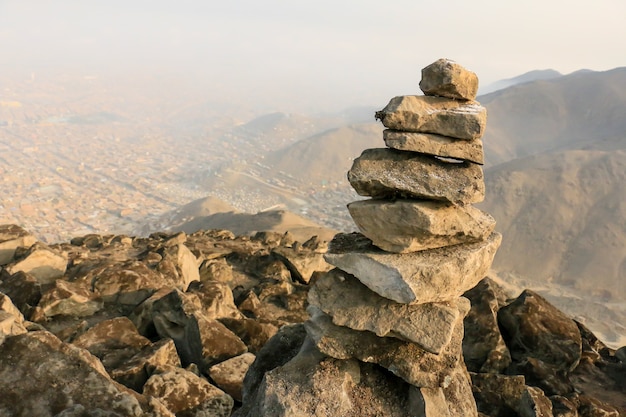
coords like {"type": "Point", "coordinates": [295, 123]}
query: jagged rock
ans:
{"type": "Point", "coordinates": [228, 375]}
{"type": "Point", "coordinates": [351, 304]}
{"type": "Point", "coordinates": [563, 407]}
{"type": "Point", "coordinates": [187, 394]}
{"type": "Point", "coordinates": [534, 328]}
{"type": "Point", "coordinates": [405, 359]}
{"type": "Point", "coordinates": [439, 115]}
{"type": "Point", "coordinates": [277, 302]}
{"type": "Point", "coordinates": [429, 402]}
{"type": "Point", "coordinates": [40, 261]}
{"type": "Point", "coordinates": [534, 403]}
{"type": "Point", "coordinates": [421, 277]}
{"type": "Point", "coordinates": [23, 289]}
{"type": "Point", "coordinates": [11, 238]}
{"type": "Point", "coordinates": [198, 339]}
{"type": "Point", "coordinates": [216, 270]}
{"type": "Point", "coordinates": [67, 299]}
{"type": "Point", "coordinates": [11, 319]}
{"type": "Point", "coordinates": [591, 407]}
{"type": "Point", "coordinates": [446, 78]}
{"type": "Point", "coordinates": [458, 393]}
{"type": "Point", "coordinates": [403, 226]}
{"type": "Point", "coordinates": [216, 299]}
{"type": "Point", "coordinates": [42, 376]}
{"type": "Point", "coordinates": [311, 385]}
{"type": "Point", "coordinates": [278, 350]}
{"type": "Point", "coordinates": [484, 349]}
{"type": "Point", "coordinates": [178, 262]}
{"type": "Point", "coordinates": [301, 264]}
{"type": "Point", "coordinates": [543, 375]}
{"type": "Point", "coordinates": [155, 358]}
{"type": "Point", "coordinates": [621, 354]}
{"type": "Point", "coordinates": [436, 145]}
{"type": "Point", "coordinates": [253, 333]}
{"type": "Point", "coordinates": [388, 173]}
{"type": "Point", "coordinates": [142, 314]}
{"type": "Point", "coordinates": [113, 341]}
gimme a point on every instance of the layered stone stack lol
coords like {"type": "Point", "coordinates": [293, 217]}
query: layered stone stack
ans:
{"type": "Point", "coordinates": [395, 299]}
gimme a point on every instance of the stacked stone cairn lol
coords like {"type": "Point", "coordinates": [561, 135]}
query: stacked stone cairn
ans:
{"type": "Point", "coordinates": [395, 297]}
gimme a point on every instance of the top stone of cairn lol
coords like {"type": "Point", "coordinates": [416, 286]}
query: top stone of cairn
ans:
{"type": "Point", "coordinates": [446, 78]}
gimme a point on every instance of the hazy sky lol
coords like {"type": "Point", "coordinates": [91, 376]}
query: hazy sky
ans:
{"type": "Point", "coordinates": [331, 53]}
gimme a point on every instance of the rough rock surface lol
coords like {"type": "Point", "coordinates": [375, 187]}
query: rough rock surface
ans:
{"type": "Point", "coordinates": [387, 173]}
{"type": "Point", "coordinates": [11, 238]}
{"type": "Point", "coordinates": [439, 115]}
{"type": "Point", "coordinates": [228, 375]}
{"type": "Point", "coordinates": [420, 277]}
{"type": "Point", "coordinates": [436, 145]}
{"type": "Point", "coordinates": [351, 304]}
{"type": "Point", "coordinates": [446, 78]}
{"type": "Point", "coordinates": [40, 261]}
{"type": "Point", "coordinates": [403, 226]}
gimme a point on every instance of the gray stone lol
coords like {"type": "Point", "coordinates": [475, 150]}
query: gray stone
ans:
{"type": "Point", "coordinates": [446, 78]}
{"type": "Point", "coordinates": [404, 359]}
{"type": "Point", "coordinates": [442, 116]}
{"type": "Point", "coordinates": [388, 173]}
{"type": "Point", "coordinates": [229, 375]}
{"type": "Point", "coordinates": [186, 394]}
{"type": "Point", "coordinates": [420, 277]}
{"type": "Point", "coordinates": [437, 145]}
{"type": "Point", "coordinates": [11, 238]}
{"type": "Point", "coordinates": [458, 393]}
{"type": "Point", "coordinates": [403, 226]}
{"type": "Point", "coordinates": [351, 304]}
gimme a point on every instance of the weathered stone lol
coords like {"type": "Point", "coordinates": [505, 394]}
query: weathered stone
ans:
{"type": "Point", "coordinates": [563, 407]}
{"type": "Point", "coordinates": [228, 375]}
{"type": "Point", "coordinates": [351, 304]}
{"type": "Point", "coordinates": [11, 238]}
{"type": "Point", "coordinates": [10, 325]}
{"type": "Point", "coordinates": [446, 78]}
{"type": "Point", "coordinates": [405, 359]}
{"type": "Point", "coordinates": [301, 264]}
{"type": "Point", "coordinates": [40, 261]}
{"type": "Point", "coordinates": [537, 329]}
{"type": "Point", "coordinates": [421, 277]}
{"type": "Point", "coordinates": [428, 402]}
{"type": "Point", "coordinates": [185, 264]}
{"type": "Point", "coordinates": [253, 333]}
{"type": "Point", "coordinates": [439, 115]}
{"type": "Point", "coordinates": [155, 358]}
{"type": "Point", "coordinates": [403, 226]}
{"type": "Point", "coordinates": [534, 404]}
{"type": "Point", "coordinates": [113, 341]}
{"type": "Point", "coordinates": [41, 376]}
{"type": "Point", "coordinates": [198, 340]}
{"type": "Point", "coordinates": [216, 299]}
{"type": "Point", "coordinates": [436, 145]}
{"type": "Point", "coordinates": [388, 173]}
{"type": "Point", "coordinates": [592, 407]}
{"type": "Point", "coordinates": [543, 375]}
{"type": "Point", "coordinates": [23, 289]}
{"type": "Point", "coordinates": [142, 314]}
{"type": "Point", "coordinates": [67, 299]}
{"type": "Point", "coordinates": [216, 270]}
{"type": "Point", "coordinates": [484, 349]}
{"type": "Point", "coordinates": [458, 393]}
{"type": "Point", "coordinates": [187, 394]}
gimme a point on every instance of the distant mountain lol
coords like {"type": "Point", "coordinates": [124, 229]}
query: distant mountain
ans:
{"type": "Point", "coordinates": [583, 110]}
{"type": "Point", "coordinates": [520, 79]}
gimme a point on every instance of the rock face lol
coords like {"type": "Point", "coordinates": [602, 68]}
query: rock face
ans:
{"type": "Point", "coordinates": [397, 305]}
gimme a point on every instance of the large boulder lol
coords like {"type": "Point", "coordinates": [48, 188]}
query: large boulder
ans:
{"type": "Point", "coordinates": [428, 114]}
{"type": "Point", "coordinates": [388, 173]}
{"type": "Point", "coordinates": [67, 299]}
{"type": "Point", "coordinates": [420, 277]}
{"type": "Point", "coordinates": [403, 226]}
{"type": "Point", "coordinates": [301, 263]}
{"type": "Point", "coordinates": [11, 319]}
{"type": "Point", "coordinates": [12, 237]}
{"type": "Point", "coordinates": [436, 145]}
{"type": "Point", "coordinates": [229, 375]}
{"type": "Point", "coordinates": [351, 304]}
{"type": "Point", "coordinates": [23, 289]}
{"type": "Point", "coordinates": [40, 261]}
{"type": "Point", "coordinates": [446, 78]}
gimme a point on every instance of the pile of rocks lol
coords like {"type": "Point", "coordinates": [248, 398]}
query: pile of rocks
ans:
{"type": "Point", "coordinates": [394, 299]}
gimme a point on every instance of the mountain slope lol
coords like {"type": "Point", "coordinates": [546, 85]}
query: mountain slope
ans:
{"type": "Point", "coordinates": [520, 79]}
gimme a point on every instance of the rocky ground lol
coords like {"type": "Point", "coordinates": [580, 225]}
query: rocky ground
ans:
{"type": "Point", "coordinates": [188, 325]}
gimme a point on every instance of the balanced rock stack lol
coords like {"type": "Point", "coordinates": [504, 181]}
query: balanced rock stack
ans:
{"type": "Point", "coordinates": [393, 302]}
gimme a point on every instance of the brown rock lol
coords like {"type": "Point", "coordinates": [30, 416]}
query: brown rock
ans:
{"type": "Point", "coordinates": [216, 299]}
{"type": "Point", "coordinates": [187, 394]}
{"type": "Point", "coordinates": [351, 304]}
{"type": "Point", "coordinates": [442, 116]}
{"type": "Point", "coordinates": [184, 263]}
{"type": "Point", "coordinates": [387, 173]}
{"type": "Point", "coordinates": [420, 277]}
{"type": "Point", "coordinates": [405, 359]}
{"type": "Point", "coordinates": [40, 261]}
{"type": "Point", "coordinates": [301, 264]}
{"type": "Point", "coordinates": [446, 78]}
{"type": "Point", "coordinates": [11, 238]}
{"type": "Point", "coordinates": [228, 375]}
{"type": "Point", "coordinates": [402, 226]}
{"type": "Point", "coordinates": [67, 299]}
{"type": "Point", "coordinates": [23, 289]}
{"type": "Point", "coordinates": [11, 319]}
{"type": "Point", "coordinates": [436, 145]}
{"type": "Point", "coordinates": [253, 333]}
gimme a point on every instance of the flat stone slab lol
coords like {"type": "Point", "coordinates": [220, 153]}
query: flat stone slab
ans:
{"type": "Point", "coordinates": [428, 276]}
{"type": "Point", "coordinates": [437, 145]}
{"type": "Point", "coordinates": [405, 359]}
{"type": "Point", "coordinates": [388, 173]}
{"type": "Point", "coordinates": [351, 304]}
{"type": "Point", "coordinates": [428, 114]}
{"type": "Point", "coordinates": [403, 226]}
{"type": "Point", "coordinates": [446, 78]}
